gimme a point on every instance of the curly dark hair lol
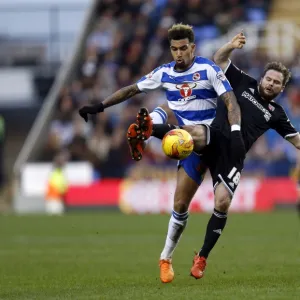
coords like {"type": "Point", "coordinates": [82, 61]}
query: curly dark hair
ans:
{"type": "Point", "coordinates": [180, 32]}
{"type": "Point", "coordinates": [278, 66]}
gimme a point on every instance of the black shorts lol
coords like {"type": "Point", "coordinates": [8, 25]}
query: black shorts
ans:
{"type": "Point", "coordinates": [223, 165]}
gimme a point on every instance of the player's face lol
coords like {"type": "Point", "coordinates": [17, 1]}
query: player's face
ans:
{"type": "Point", "coordinates": [271, 85]}
{"type": "Point", "coordinates": [182, 52]}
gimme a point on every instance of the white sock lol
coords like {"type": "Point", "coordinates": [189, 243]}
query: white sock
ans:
{"type": "Point", "coordinates": [177, 224]}
{"type": "Point", "coordinates": [158, 116]}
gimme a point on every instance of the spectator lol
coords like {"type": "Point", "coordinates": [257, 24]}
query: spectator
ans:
{"type": "Point", "coordinates": [128, 41]}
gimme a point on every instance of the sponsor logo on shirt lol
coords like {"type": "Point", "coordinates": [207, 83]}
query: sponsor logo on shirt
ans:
{"type": "Point", "coordinates": [267, 114]}
{"type": "Point", "coordinates": [186, 90]}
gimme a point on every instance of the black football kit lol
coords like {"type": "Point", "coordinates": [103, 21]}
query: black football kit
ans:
{"type": "Point", "coordinates": [258, 115]}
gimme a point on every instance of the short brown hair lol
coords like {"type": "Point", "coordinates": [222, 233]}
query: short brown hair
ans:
{"type": "Point", "coordinates": [279, 67]}
{"type": "Point", "coordinates": [180, 32]}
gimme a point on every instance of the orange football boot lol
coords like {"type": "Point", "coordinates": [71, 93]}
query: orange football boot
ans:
{"type": "Point", "coordinates": [166, 270]}
{"type": "Point", "coordinates": [145, 123]}
{"type": "Point", "coordinates": [135, 142]}
{"type": "Point", "coordinates": [199, 264]}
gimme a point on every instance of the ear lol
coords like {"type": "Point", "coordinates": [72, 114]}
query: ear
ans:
{"type": "Point", "coordinates": [193, 47]}
{"type": "Point", "coordinates": [282, 89]}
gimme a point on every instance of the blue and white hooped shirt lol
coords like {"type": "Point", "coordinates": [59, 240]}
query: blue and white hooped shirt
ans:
{"type": "Point", "coordinates": [191, 94]}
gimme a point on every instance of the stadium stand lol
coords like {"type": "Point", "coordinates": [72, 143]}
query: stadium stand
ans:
{"type": "Point", "coordinates": [129, 39]}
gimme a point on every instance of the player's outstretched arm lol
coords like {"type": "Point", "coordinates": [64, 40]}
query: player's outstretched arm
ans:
{"type": "Point", "coordinates": [121, 95]}
{"type": "Point", "coordinates": [295, 140]}
{"type": "Point", "coordinates": [221, 57]}
{"type": "Point", "coordinates": [297, 167]}
{"type": "Point", "coordinates": [116, 98]}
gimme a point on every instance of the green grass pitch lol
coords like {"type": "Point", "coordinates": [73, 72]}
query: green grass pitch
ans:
{"type": "Point", "coordinates": [114, 256]}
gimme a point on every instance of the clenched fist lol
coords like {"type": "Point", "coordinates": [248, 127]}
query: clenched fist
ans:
{"type": "Point", "coordinates": [238, 41]}
{"type": "Point", "coordinates": [93, 109]}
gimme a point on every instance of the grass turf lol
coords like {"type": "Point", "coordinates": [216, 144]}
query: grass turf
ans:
{"type": "Point", "coordinates": [113, 256]}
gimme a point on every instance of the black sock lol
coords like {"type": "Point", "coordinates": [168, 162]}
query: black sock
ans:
{"type": "Point", "coordinates": [159, 130]}
{"type": "Point", "coordinates": [298, 208]}
{"type": "Point", "coordinates": [214, 229]}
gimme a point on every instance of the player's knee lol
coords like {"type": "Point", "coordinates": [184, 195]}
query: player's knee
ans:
{"type": "Point", "coordinates": [181, 205]}
{"type": "Point", "coordinates": [222, 198]}
{"type": "Point", "coordinates": [222, 203]}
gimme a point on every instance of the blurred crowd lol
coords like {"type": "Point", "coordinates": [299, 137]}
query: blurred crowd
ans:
{"type": "Point", "coordinates": [128, 41]}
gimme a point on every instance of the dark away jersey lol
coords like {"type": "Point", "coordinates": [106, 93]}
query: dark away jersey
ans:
{"type": "Point", "coordinates": [258, 115]}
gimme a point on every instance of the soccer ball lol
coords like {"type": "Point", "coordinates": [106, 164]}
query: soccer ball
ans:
{"type": "Point", "coordinates": [177, 144]}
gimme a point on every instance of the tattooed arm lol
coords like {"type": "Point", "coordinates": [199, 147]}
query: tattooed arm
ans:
{"type": "Point", "coordinates": [234, 111]}
{"type": "Point", "coordinates": [238, 150]}
{"type": "Point", "coordinates": [121, 95]}
{"type": "Point", "coordinates": [117, 97]}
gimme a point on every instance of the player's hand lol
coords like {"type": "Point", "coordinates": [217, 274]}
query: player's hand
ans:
{"type": "Point", "coordinates": [238, 150]}
{"type": "Point", "coordinates": [238, 41]}
{"type": "Point", "coordinates": [93, 109]}
{"type": "Point", "coordinates": [295, 173]}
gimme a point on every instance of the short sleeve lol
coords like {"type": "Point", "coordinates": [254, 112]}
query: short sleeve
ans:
{"type": "Point", "coordinates": [283, 125]}
{"type": "Point", "coordinates": [235, 76]}
{"type": "Point", "coordinates": [151, 81]}
{"type": "Point", "coordinates": [218, 80]}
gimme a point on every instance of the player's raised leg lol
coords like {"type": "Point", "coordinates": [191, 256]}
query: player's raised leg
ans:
{"type": "Point", "coordinates": [214, 229]}
{"type": "Point", "coordinates": [199, 133]}
{"type": "Point", "coordinates": [136, 144]}
{"type": "Point", "coordinates": [138, 133]}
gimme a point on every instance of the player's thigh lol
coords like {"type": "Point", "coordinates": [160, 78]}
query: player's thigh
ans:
{"type": "Point", "coordinates": [226, 176]}
{"type": "Point", "coordinates": [199, 134]}
{"type": "Point", "coordinates": [194, 167]}
{"type": "Point", "coordinates": [224, 167]}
